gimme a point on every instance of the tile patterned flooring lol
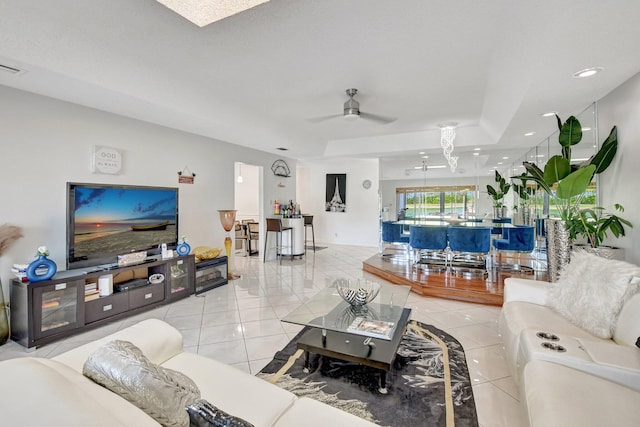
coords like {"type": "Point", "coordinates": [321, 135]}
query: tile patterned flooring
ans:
{"type": "Point", "coordinates": [239, 323]}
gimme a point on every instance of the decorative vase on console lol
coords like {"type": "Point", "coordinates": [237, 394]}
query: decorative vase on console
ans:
{"type": "Point", "coordinates": [42, 268]}
{"type": "Point", "coordinates": [8, 234]}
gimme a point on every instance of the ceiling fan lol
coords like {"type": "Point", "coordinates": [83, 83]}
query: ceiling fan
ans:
{"type": "Point", "coordinates": [352, 111]}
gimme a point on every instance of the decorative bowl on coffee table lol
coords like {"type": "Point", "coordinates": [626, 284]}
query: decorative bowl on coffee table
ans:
{"type": "Point", "coordinates": [357, 292]}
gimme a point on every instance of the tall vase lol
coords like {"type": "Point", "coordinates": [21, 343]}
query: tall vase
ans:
{"type": "Point", "coordinates": [558, 247]}
{"type": "Point", "coordinates": [4, 321]}
{"type": "Point", "coordinates": [227, 219]}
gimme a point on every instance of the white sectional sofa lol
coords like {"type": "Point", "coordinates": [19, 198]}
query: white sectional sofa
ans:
{"type": "Point", "coordinates": [38, 392]}
{"type": "Point", "coordinates": [568, 376]}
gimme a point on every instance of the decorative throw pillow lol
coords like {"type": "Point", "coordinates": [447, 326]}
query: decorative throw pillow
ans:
{"type": "Point", "coordinates": [162, 393]}
{"type": "Point", "coordinates": [204, 414]}
{"type": "Point", "coordinates": [591, 291]}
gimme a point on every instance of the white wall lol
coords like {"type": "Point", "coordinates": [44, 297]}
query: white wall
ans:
{"type": "Point", "coordinates": [46, 142]}
{"type": "Point", "coordinates": [359, 224]}
{"type": "Point", "coordinates": [619, 183]}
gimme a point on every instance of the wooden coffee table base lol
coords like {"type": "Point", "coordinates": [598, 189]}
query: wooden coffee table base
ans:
{"type": "Point", "coordinates": [376, 353]}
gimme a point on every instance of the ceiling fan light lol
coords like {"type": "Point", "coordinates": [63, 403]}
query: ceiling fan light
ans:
{"type": "Point", "coordinates": [351, 115]}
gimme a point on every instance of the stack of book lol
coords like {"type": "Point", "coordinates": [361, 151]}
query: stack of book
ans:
{"type": "Point", "coordinates": [91, 292]}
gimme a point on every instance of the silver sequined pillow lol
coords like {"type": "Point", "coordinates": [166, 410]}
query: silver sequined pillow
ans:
{"type": "Point", "coordinates": [162, 393]}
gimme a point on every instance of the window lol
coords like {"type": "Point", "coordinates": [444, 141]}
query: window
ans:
{"type": "Point", "coordinates": [421, 202]}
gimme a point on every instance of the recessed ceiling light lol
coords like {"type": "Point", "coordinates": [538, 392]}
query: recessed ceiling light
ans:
{"type": "Point", "coordinates": [529, 133]}
{"type": "Point", "coordinates": [476, 149]}
{"type": "Point", "coordinates": [539, 155]}
{"type": "Point", "coordinates": [500, 163]}
{"type": "Point", "coordinates": [587, 72]}
{"type": "Point", "coordinates": [505, 158]}
{"type": "Point", "coordinates": [203, 12]}
{"type": "Point", "coordinates": [586, 129]}
{"type": "Point", "coordinates": [549, 114]}
{"type": "Point", "coordinates": [422, 152]}
{"type": "Point", "coordinates": [425, 157]}
{"type": "Point", "coordinates": [476, 154]}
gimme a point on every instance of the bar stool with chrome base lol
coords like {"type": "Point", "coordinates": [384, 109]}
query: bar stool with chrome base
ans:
{"type": "Point", "coordinates": [519, 240]}
{"type": "Point", "coordinates": [392, 233]}
{"type": "Point", "coordinates": [308, 222]}
{"type": "Point", "coordinates": [274, 225]}
{"type": "Point", "coordinates": [429, 244]}
{"type": "Point", "coordinates": [470, 248]}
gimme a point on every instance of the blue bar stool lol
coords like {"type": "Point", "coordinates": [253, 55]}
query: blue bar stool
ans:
{"type": "Point", "coordinates": [519, 239]}
{"type": "Point", "coordinates": [392, 234]}
{"type": "Point", "coordinates": [470, 247]}
{"type": "Point", "coordinates": [498, 229]}
{"type": "Point", "coordinates": [429, 244]}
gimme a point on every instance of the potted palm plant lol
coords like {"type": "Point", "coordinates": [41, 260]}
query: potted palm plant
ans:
{"type": "Point", "coordinates": [566, 183]}
{"type": "Point", "coordinates": [497, 194]}
{"type": "Point", "coordinates": [595, 224]}
{"type": "Point", "coordinates": [525, 194]}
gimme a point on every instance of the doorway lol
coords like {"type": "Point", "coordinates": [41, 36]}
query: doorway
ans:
{"type": "Point", "coordinates": [248, 203]}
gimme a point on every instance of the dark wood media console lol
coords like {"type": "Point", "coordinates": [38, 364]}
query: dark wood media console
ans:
{"type": "Point", "coordinates": [47, 311]}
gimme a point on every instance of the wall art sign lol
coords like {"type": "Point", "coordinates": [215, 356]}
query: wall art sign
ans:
{"type": "Point", "coordinates": [336, 192]}
{"type": "Point", "coordinates": [105, 160]}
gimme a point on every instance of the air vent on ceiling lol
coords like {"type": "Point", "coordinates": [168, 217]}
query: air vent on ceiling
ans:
{"type": "Point", "coordinates": [11, 70]}
{"type": "Point", "coordinates": [282, 149]}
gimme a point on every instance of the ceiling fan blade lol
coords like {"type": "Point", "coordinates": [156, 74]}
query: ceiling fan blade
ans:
{"type": "Point", "coordinates": [323, 118]}
{"type": "Point", "coordinates": [377, 118]}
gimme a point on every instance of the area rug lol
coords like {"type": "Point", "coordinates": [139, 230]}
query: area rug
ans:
{"type": "Point", "coordinates": [428, 386]}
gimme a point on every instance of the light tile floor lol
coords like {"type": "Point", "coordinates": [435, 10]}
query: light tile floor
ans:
{"type": "Point", "coordinates": [239, 323]}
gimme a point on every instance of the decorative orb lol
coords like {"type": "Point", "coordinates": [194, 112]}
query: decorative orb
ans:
{"type": "Point", "coordinates": [358, 292]}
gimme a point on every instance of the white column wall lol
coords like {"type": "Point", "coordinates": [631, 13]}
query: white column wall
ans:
{"type": "Point", "coordinates": [619, 183]}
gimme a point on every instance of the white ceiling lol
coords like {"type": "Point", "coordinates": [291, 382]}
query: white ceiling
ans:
{"type": "Point", "coordinates": [256, 78]}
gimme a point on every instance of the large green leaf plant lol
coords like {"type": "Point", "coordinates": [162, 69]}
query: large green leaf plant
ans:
{"type": "Point", "coordinates": [566, 183]}
{"type": "Point", "coordinates": [497, 194]}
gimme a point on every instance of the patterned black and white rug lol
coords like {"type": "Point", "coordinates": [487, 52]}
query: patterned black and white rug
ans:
{"type": "Point", "coordinates": [429, 385]}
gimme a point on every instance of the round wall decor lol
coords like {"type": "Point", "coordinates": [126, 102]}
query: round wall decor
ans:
{"type": "Point", "coordinates": [366, 184]}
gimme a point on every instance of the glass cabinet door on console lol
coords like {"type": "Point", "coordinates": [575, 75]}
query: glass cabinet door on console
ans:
{"type": "Point", "coordinates": [180, 277]}
{"type": "Point", "coordinates": [56, 308]}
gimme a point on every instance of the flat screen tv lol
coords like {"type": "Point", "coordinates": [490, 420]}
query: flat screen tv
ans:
{"type": "Point", "coordinates": [107, 220]}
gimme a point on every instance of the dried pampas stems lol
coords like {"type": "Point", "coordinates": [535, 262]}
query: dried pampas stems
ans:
{"type": "Point", "coordinates": [8, 235]}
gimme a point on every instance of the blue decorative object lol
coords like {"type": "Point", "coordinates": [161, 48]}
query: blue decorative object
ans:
{"type": "Point", "coordinates": [40, 263]}
{"type": "Point", "coordinates": [183, 249]}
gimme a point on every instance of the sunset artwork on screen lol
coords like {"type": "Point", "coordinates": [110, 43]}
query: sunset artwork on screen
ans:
{"type": "Point", "coordinates": [106, 221]}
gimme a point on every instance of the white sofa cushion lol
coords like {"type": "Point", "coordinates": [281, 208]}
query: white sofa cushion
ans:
{"type": "Point", "coordinates": [517, 316]}
{"type": "Point", "coordinates": [42, 392]}
{"type": "Point", "coordinates": [560, 396]}
{"type": "Point", "coordinates": [627, 329]}
{"type": "Point", "coordinates": [158, 340]}
{"type": "Point", "coordinates": [591, 290]}
{"type": "Point", "coordinates": [311, 413]}
{"type": "Point", "coordinates": [234, 391]}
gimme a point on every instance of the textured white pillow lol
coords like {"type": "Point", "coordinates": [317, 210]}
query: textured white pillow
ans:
{"type": "Point", "coordinates": [162, 393]}
{"type": "Point", "coordinates": [591, 290]}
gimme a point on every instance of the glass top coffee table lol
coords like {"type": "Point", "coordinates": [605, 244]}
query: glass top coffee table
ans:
{"type": "Point", "coordinates": [331, 321]}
